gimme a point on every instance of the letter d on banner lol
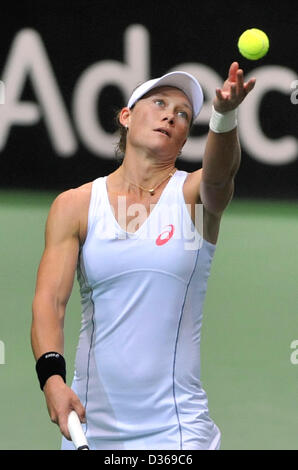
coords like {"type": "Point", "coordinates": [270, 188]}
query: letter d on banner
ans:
{"type": "Point", "coordinates": [2, 93]}
{"type": "Point", "coordinates": [125, 76]}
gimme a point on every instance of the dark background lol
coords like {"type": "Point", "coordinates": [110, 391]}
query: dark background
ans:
{"type": "Point", "coordinates": [77, 34]}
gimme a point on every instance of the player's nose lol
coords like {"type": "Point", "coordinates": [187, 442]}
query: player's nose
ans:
{"type": "Point", "coordinates": [170, 118]}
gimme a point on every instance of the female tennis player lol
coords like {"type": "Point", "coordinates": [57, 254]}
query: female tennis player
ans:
{"type": "Point", "coordinates": [137, 372]}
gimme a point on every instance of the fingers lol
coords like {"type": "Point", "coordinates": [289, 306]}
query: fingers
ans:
{"type": "Point", "coordinates": [61, 400]}
{"type": "Point", "coordinates": [240, 81]}
{"type": "Point", "coordinates": [234, 89]}
{"type": "Point", "coordinates": [60, 418]}
{"type": "Point", "coordinates": [244, 88]}
{"type": "Point", "coordinates": [249, 85]}
{"type": "Point", "coordinates": [234, 92]}
{"type": "Point", "coordinates": [231, 95]}
{"type": "Point", "coordinates": [63, 425]}
{"type": "Point", "coordinates": [80, 410]}
{"type": "Point", "coordinates": [63, 418]}
{"type": "Point", "coordinates": [233, 71]}
{"type": "Point", "coordinates": [218, 93]}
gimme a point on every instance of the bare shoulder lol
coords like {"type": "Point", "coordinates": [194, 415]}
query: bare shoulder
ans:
{"type": "Point", "coordinates": [191, 190]}
{"type": "Point", "coordinates": [70, 208]}
{"type": "Point", "coordinates": [71, 201]}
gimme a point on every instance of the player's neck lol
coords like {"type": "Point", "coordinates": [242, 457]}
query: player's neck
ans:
{"type": "Point", "coordinates": [145, 170]}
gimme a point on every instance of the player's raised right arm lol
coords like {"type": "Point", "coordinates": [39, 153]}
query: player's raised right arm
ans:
{"type": "Point", "coordinates": [54, 284]}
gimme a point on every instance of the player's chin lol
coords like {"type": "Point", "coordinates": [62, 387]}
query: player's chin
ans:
{"type": "Point", "coordinates": [163, 153]}
{"type": "Point", "coordinates": [164, 148]}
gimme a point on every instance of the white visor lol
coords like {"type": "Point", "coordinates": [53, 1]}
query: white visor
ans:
{"type": "Point", "coordinates": [182, 80]}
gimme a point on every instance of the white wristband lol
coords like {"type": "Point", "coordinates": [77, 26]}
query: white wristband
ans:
{"type": "Point", "coordinates": [223, 122]}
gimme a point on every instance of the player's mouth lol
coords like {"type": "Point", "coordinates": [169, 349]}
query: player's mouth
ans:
{"type": "Point", "coordinates": [164, 131]}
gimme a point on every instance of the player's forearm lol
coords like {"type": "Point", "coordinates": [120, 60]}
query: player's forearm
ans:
{"type": "Point", "coordinates": [221, 158]}
{"type": "Point", "coordinates": [47, 329]}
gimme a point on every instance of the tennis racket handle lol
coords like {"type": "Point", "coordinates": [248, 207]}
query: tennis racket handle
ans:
{"type": "Point", "coordinates": [76, 432]}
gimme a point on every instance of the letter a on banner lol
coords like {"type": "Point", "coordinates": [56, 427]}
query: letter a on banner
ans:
{"type": "Point", "coordinates": [28, 60]}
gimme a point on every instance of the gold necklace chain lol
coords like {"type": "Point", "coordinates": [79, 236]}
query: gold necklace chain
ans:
{"type": "Point", "coordinates": [152, 190]}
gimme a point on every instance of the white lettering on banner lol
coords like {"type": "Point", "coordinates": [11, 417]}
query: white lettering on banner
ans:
{"type": "Point", "coordinates": [2, 93]}
{"type": "Point", "coordinates": [28, 59]}
{"type": "Point", "coordinates": [294, 85]}
{"type": "Point", "coordinates": [124, 76]}
{"type": "Point", "coordinates": [271, 151]}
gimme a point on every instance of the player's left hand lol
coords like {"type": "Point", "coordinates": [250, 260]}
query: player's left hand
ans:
{"type": "Point", "coordinates": [234, 90]}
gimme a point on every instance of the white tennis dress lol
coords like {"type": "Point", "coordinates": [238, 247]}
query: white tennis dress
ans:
{"type": "Point", "coordinates": [137, 369]}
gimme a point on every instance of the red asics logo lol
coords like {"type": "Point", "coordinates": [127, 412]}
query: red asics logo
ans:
{"type": "Point", "coordinates": [165, 236]}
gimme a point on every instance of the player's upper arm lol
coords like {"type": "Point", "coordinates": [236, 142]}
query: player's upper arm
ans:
{"type": "Point", "coordinates": [58, 263]}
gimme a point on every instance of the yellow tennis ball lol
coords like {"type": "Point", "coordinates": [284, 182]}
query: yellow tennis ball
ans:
{"type": "Point", "coordinates": [253, 44]}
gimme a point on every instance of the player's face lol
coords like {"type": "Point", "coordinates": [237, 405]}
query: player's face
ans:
{"type": "Point", "coordinates": [160, 121]}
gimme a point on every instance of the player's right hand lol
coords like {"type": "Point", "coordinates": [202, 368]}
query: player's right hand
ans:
{"type": "Point", "coordinates": [61, 400]}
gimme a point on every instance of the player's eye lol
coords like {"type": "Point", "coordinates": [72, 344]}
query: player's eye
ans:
{"type": "Point", "coordinates": [183, 114]}
{"type": "Point", "coordinates": [159, 102]}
